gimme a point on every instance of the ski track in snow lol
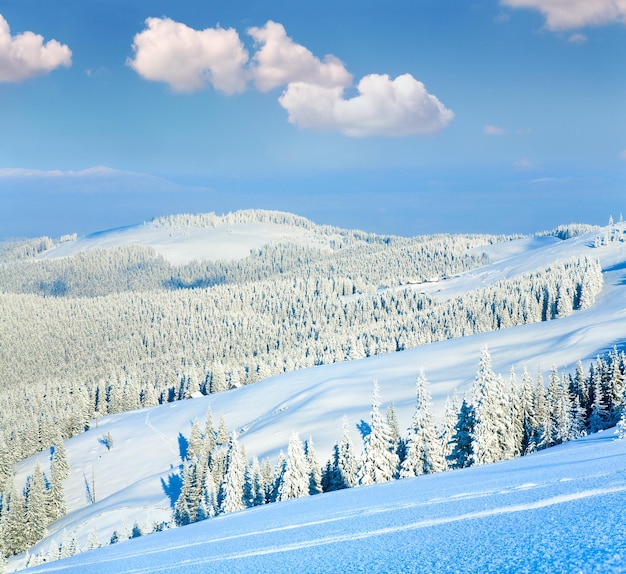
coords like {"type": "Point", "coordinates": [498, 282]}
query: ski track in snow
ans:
{"type": "Point", "coordinates": [160, 434]}
{"type": "Point", "coordinates": [209, 558]}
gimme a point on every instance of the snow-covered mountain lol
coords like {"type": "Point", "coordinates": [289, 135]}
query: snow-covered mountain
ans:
{"type": "Point", "coordinates": [447, 522]}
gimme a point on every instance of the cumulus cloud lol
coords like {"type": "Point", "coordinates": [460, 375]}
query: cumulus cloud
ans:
{"type": "Point", "coordinates": [571, 14]}
{"type": "Point", "coordinates": [314, 89]}
{"type": "Point", "coordinates": [491, 130]}
{"type": "Point", "coordinates": [189, 60]}
{"type": "Point", "coordinates": [400, 107]}
{"type": "Point", "coordinates": [27, 55]}
{"type": "Point", "coordinates": [280, 61]}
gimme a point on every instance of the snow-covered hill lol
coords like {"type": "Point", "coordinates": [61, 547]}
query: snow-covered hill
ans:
{"type": "Point", "coordinates": [181, 243]}
{"type": "Point", "coordinates": [556, 511]}
{"type": "Point", "coordinates": [370, 527]}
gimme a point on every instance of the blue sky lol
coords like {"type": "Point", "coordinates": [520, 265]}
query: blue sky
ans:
{"type": "Point", "coordinates": [397, 117]}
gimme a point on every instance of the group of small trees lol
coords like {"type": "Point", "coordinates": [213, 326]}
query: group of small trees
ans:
{"type": "Point", "coordinates": [25, 514]}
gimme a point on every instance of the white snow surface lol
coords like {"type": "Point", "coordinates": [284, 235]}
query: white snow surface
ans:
{"type": "Point", "coordinates": [560, 510]}
{"type": "Point", "coordinates": [538, 513]}
{"type": "Point", "coordinates": [181, 244]}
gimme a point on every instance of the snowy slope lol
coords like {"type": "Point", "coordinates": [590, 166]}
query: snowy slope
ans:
{"type": "Point", "coordinates": [536, 514]}
{"type": "Point", "coordinates": [132, 480]}
{"type": "Point", "coordinates": [181, 244]}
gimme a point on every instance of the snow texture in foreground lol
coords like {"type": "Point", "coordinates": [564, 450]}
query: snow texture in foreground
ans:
{"type": "Point", "coordinates": [559, 510]}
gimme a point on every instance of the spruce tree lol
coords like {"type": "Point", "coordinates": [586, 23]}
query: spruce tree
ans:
{"type": "Point", "coordinates": [379, 462]}
{"type": "Point", "coordinates": [254, 493]}
{"type": "Point", "coordinates": [446, 437]}
{"type": "Point", "coordinates": [462, 453]}
{"type": "Point", "coordinates": [394, 428]}
{"type": "Point", "coordinates": [563, 414]}
{"type": "Point", "coordinates": [59, 460]}
{"type": "Point", "coordinates": [195, 447]}
{"type": "Point", "coordinates": [207, 504]}
{"type": "Point", "coordinates": [296, 478]}
{"type": "Point", "coordinates": [492, 415]}
{"type": "Point", "coordinates": [35, 506]}
{"type": "Point", "coordinates": [209, 435]}
{"type": "Point", "coordinates": [527, 408]}
{"type": "Point", "coordinates": [346, 464]}
{"type": "Point", "coordinates": [232, 488]}
{"type": "Point", "coordinates": [542, 415]}
{"type": "Point", "coordinates": [599, 416]}
{"type": "Point", "coordinates": [16, 534]}
{"type": "Point", "coordinates": [222, 431]}
{"type": "Point", "coordinates": [424, 452]}
{"type": "Point", "coordinates": [315, 472]}
{"type": "Point", "coordinates": [615, 387]}
{"type": "Point", "coordinates": [187, 502]}
{"type": "Point", "coordinates": [59, 471]}
{"type": "Point", "coordinates": [579, 387]}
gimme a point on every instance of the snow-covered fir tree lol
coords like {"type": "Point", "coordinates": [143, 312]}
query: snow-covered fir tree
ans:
{"type": "Point", "coordinates": [424, 450]}
{"type": "Point", "coordinates": [231, 494]}
{"type": "Point", "coordinates": [254, 491]}
{"type": "Point", "coordinates": [222, 431]}
{"type": "Point", "coordinates": [527, 414]}
{"type": "Point", "coordinates": [491, 434]}
{"type": "Point", "coordinates": [599, 416]}
{"type": "Point", "coordinates": [36, 512]}
{"type": "Point", "coordinates": [16, 538]}
{"type": "Point", "coordinates": [209, 435]}
{"type": "Point", "coordinates": [346, 463]}
{"type": "Point", "coordinates": [196, 445]}
{"type": "Point", "coordinates": [446, 435]}
{"type": "Point", "coordinates": [315, 472]}
{"type": "Point", "coordinates": [462, 450]}
{"type": "Point", "coordinates": [379, 461]}
{"type": "Point", "coordinates": [207, 504]}
{"type": "Point", "coordinates": [295, 480]}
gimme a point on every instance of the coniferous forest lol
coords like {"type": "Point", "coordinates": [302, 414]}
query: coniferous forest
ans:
{"type": "Point", "coordinates": [113, 330]}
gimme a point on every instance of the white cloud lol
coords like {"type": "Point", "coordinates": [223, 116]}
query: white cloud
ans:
{"type": "Point", "coordinates": [577, 39]}
{"type": "Point", "coordinates": [26, 55]}
{"type": "Point", "coordinates": [491, 130]}
{"type": "Point", "coordinates": [190, 60]}
{"type": "Point", "coordinates": [314, 89]}
{"type": "Point", "coordinates": [571, 14]}
{"type": "Point", "coordinates": [400, 107]}
{"type": "Point", "coordinates": [280, 61]}
{"type": "Point", "coordinates": [622, 154]}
